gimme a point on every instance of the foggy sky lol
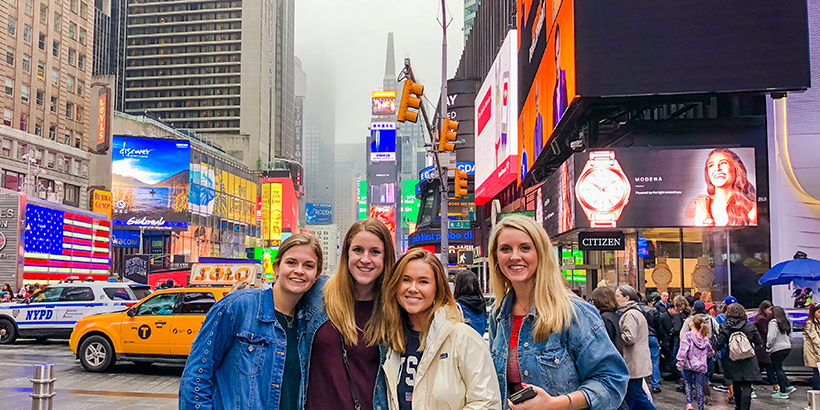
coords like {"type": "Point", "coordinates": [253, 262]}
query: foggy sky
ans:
{"type": "Point", "coordinates": [346, 41]}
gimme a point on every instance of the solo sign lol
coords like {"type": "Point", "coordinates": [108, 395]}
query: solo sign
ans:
{"type": "Point", "coordinates": [222, 273]}
{"type": "Point", "coordinates": [601, 241]}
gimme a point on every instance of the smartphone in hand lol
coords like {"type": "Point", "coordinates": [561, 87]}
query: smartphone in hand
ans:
{"type": "Point", "coordinates": [522, 395]}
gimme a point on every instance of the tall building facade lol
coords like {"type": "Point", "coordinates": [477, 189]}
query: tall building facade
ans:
{"type": "Point", "coordinates": [470, 8]}
{"type": "Point", "coordinates": [185, 66]}
{"type": "Point", "coordinates": [319, 140]}
{"type": "Point", "coordinates": [284, 79]}
{"type": "Point", "coordinates": [299, 96]}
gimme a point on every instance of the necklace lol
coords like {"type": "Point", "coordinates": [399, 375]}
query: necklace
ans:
{"type": "Point", "coordinates": [288, 322]}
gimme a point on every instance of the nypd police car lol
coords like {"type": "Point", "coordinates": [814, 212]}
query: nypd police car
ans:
{"type": "Point", "coordinates": [54, 311]}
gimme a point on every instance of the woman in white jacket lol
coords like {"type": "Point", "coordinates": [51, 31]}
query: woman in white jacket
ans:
{"type": "Point", "coordinates": [434, 361]}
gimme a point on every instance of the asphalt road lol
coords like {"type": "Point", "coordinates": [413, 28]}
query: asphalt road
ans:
{"type": "Point", "coordinates": [128, 386]}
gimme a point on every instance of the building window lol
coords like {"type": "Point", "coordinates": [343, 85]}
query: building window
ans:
{"type": "Point", "coordinates": [70, 85]}
{"type": "Point", "coordinates": [75, 167]}
{"type": "Point", "coordinates": [43, 13]}
{"type": "Point", "coordinates": [80, 114]}
{"type": "Point", "coordinates": [57, 22]}
{"type": "Point", "coordinates": [42, 43]}
{"type": "Point", "coordinates": [38, 128]}
{"type": "Point", "coordinates": [74, 6]}
{"type": "Point", "coordinates": [83, 10]}
{"type": "Point", "coordinates": [55, 48]}
{"type": "Point", "coordinates": [50, 160]}
{"type": "Point", "coordinates": [54, 104]}
{"type": "Point", "coordinates": [52, 132]}
{"type": "Point", "coordinates": [27, 34]}
{"type": "Point", "coordinates": [41, 70]}
{"type": "Point", "coordinates": [55, 76]}
{"type": "Point", "coordinates": [21, 150]}
{"type": "Point", "coordinates": [9, 86]}
{"type": "Point", "coordinates": [10, 56]}
{"type": "Point", "coordinates": [13, 180]}
{"type": "Point", "coordinates": [69, 110]}
{"type": "Point", "coordinates": [12, 25]}
{"type": "Point", "coordinates": [5, 148]}
{"type": "Point", "coordinates": [72, 56]}
{"type": "Point", "coordinates": [67, 140]}
{"type": "Point", "coordinates": [81, 62]}
{"type": "Point", "coordinates": [26, 63]}
{"type": "Point", "coordinates": [29, 6]}
{"type": "Point", "coordinates": [78, 140]}
{"type": "Point", "coordinates": [82, 36]}
{"type": "Point", "coordinates": [24, 122]}
{"type": "Point", "coordinates": [71, 195]}
{"type": "Point", "coordinates": [7, 116]}
{"type": "Point", "coordinates": [24, 93]}
{"type": "Point", "coordinates": [80, 87]}
{"type": "Point", "coordinates": [40, 98]}
{"type": "Point", "coordinates": [72, 30]}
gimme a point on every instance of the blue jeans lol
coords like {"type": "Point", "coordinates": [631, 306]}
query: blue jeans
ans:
{"type": "Point", "coordinates": [655, 352]}
{"type": "Point", "coordinates": [635, 396]}
{"type": "Point", "coordinates": [815, 379]}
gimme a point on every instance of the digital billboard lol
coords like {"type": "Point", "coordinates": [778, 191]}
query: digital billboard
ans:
{"type": "Point", "coordinates": [546, 66]}
{"type": "Point", "coordinates": [385, 215]}
{"type": "Point", "coordinates": [647, 187]}
{"type": "Point", "coordinates": [409, 204]}
{"type": "Point", "coordinates": [384, 103]}
{"type": "Point", "coordinates": [555, 208]}
{"type": "Point", "coordinates": [496, 111]}
{"type": "Point", "coordinates": [150, 182]}
{"type": "Point", "coordinates": [362, 200]}
{"type": "Point", "coordinates": [382, 183]}
{"type": "Point", "coordinates": [383, 142]}
{"type": "Point", "coordinates": [318, 214]}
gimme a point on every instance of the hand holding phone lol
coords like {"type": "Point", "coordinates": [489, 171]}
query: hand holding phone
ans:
{"type": "Point", "coordinates": [522, 395]}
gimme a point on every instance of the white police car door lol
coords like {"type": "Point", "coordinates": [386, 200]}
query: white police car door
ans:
{"type": "Point", "coordinates": [75, 303]}
{"type": "Point", "coordinates": [41, 312]}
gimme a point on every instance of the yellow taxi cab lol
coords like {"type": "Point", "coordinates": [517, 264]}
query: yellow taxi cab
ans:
{"type": "Point", "coordinates": [161, 328]}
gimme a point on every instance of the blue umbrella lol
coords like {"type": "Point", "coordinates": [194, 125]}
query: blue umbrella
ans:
{"type": "Point", "coordinates": [797, 269]}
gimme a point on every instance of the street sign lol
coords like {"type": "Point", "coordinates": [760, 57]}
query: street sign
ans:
{"type": "Point", "coordinates": [458, 224]}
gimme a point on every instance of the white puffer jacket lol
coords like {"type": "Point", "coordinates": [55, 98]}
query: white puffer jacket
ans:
{"type": "Point", "coordinates": [455, 370]}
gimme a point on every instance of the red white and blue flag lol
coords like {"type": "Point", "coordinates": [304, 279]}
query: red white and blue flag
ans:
{"type": "Point", "coordinates": [60, 244]}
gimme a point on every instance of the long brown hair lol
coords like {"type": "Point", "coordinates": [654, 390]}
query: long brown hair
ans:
{"type": "Point", "coordinates": [339, 299]}
{"type": "Point", "coordinates": [550, 295]}
{"type": "Point", "coordinates": [603, 298]}
{"type": "Point", "coordinates": [700, 325]}
{"type": "Point", "coordinates": [744, 196]}
{"type": "Point", "coordinates": [395, 321]}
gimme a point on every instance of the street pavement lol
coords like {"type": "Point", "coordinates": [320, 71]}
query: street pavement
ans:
{"type": "Point", "coordinates": [128, 386]}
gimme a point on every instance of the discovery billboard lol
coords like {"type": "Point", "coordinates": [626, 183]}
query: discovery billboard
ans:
{"type": "Point", "coordinates": [496, 111]}
{"type": "Point", "coordinates": [150, 183]}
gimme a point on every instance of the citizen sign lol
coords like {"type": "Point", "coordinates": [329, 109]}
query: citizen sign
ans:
{"type": "Point", "coordinates": [601, 241]}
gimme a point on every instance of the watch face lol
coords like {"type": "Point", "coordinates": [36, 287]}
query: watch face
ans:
{"type": "Point", "coordinates": [602, 190]}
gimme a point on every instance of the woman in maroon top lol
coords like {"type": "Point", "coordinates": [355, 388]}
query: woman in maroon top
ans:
{"type": "Point", "coordinates": [339, 339]}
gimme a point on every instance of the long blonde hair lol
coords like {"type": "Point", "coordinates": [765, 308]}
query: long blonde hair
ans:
{"type": "Point", "coordinates": [339, 299]}
{"type": "Point", "coordinates": [396, 321]}
{"type": "Point", "coordinates": [550, 295]}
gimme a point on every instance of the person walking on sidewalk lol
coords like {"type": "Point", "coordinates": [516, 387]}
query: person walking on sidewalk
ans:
{"type": "Point", "coordinates": [779, 344]}
{"type": "Point", "coordinates": [811, 344]}
{"type": "Point", "coordinates": [741, 372]}
{"type": "Point", "coordinates": [635, 334]}
{"type": "Point", "coordinates": [764, 360]}
{"type": "Point", "coordinates": [693, 356]}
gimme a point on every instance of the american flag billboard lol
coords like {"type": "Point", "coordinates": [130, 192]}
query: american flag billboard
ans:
{"type": "Point", "coordinates": [59, 244]}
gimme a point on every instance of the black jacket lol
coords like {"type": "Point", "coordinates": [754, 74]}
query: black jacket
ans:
{"type": "Point", "coordinates": [665, 331]}
{"type": "Point", "coordinates": [741, 370]}
{"type": "Point", "coordinates": [652, 318]}
{"type": "Point", "coordinates": [613, 329]}
{"type": "Point", "coordinates": [661, 307]}
{"type": "Point", "coordinates": [677, 325]}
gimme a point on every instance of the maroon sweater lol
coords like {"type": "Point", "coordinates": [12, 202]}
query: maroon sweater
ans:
{"type": "Point", "coordinates": [327, 382]}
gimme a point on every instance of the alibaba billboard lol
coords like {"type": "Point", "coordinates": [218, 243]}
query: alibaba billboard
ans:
{"type": "Point", "coordinates": [546, 62]}
{"type": "Point", "coordinates": [496, 110]}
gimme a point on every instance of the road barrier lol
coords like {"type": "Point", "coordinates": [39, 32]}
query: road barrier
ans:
{"type": "Point", "coordinates": [42, 392]}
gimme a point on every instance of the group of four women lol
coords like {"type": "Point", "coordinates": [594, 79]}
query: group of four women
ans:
{"type": "Point", "coordinates": [384, 334]}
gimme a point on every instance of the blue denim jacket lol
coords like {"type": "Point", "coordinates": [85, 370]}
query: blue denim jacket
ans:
{"type": "Point", "coordinates": [312, 315]}
{"type": "Point", "coordinates": [579, 358]}
{"type": "Point", "coordinates": [238, 357]}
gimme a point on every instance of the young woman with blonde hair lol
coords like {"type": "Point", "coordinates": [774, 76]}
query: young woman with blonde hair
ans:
{"type": "Point", "coordinates": [339, 332]}
{"type": "Point", "coordinates": [540, 334]}
{"type": "Point", "coordinates": [434, 361]}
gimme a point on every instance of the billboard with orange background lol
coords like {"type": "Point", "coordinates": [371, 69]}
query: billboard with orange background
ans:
{"type": "Point", "coordinates": [546, 69]}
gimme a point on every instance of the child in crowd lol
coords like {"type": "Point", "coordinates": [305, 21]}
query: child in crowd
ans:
{"type": "Point", "coordinates": [693, 356]}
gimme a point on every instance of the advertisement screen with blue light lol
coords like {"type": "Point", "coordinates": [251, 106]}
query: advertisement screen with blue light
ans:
{"type": "Point", "coordinates": [150, 183]}
{"type": "Point", "coordinates": [318, 213]}
{"type": "Point", "coordinates": [382, 141]}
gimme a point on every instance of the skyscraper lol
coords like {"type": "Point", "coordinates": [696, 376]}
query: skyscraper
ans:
{"type": "Point", "coordinates": [319, 139]}
{"type": "Point", "coordinates": [470, 8]}
{"type": "Point", "coordinates": [186, 67]}
{"type": "Point", "coordinates": [284, 78]}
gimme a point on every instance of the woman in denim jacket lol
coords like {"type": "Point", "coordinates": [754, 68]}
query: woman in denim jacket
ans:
{"type": "Point", "coordinates": [540, 334]}
{"type": "Point", "coordinates": [245, 355]}
{"type": "Point", "coordinates": [339, 343]}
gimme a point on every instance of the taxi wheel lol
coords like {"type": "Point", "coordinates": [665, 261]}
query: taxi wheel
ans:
{"type": "Point", "coordinates": [8, 333]}
{"type": "Point", "coordinates": [96, 354]}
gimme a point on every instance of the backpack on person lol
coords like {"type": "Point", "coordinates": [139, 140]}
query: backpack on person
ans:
{"type": "Point", "coordinates": [739, 347]}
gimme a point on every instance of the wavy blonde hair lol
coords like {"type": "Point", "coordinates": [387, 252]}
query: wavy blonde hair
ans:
{"type": "Point", "coordinates": [550, 295]}
{"type": "Point", "coordinates": [396, 321]}
{"type": "Point", "coordinates": [339, 299]}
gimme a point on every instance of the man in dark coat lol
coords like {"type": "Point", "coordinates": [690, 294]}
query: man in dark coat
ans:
{"type": "Point", "coordinates": [741, 372]}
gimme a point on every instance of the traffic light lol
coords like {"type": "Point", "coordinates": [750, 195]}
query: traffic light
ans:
{"type": "Point", "coordinates": [461, 183]}
{"type": "Point", "coordinates": [410, 98]}
{"type": "Point", "coordinates": [448, 133]}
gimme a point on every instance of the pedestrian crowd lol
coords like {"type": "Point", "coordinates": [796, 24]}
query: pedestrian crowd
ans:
{"type": "Point", "coordinates": [7, 293]}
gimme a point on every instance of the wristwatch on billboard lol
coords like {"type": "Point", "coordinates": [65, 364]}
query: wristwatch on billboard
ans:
{"type": "Point", "coordinates": [602, 189]}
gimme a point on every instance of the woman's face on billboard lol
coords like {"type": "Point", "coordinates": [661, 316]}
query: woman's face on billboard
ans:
{"type": "Point", "coordinates": [720, 170]}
